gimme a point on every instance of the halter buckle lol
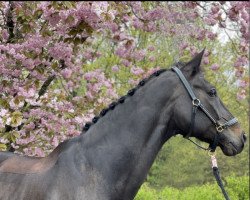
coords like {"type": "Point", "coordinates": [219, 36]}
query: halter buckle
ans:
{"type": "Point", "coordinates": [219, 128]}
{"type": "Point", "coordinates": [196, 102]}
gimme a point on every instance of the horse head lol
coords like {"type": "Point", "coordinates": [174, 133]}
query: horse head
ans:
{"type": "Point", "coordinates": [204, 116]}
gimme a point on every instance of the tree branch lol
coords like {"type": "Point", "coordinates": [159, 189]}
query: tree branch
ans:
{"type": "Point", "coordinates": [49, 80]}
{"type": "Point", "coordinates": [10, 22]}
{"type": "Point", "coordinates": [143, 20]}
{"type": "Point", "coordinates": [45, 86]}
{"type": "Point", "coordinates": [231, 41]}
{"type": "Point", "coordinates": [198, 4]}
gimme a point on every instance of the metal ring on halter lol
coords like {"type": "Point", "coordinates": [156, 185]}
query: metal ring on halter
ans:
{"type": "Point", "coordinates": [219, 128]}
{"type": "Point", "coordinates": [196, 102]}
{"type": "Point", "coordinates": [211, 153]}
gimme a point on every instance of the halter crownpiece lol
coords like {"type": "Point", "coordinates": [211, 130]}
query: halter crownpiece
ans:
{"type": "Point", "coordinates": [197, 104]}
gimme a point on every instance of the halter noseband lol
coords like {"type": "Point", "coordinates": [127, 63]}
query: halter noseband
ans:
{"type": "Point", "coordinates": [197, 104]}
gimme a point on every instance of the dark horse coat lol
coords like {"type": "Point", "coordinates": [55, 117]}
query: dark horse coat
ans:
{"type": "Point", "coordinates": [110, 160]}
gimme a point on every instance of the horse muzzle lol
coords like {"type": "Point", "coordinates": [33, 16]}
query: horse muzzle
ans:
{"type": "Point", "coordinates": [232, 145]}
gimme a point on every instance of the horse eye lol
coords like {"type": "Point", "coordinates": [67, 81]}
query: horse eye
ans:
{"type": "Point", "coordinates": [212, 92]}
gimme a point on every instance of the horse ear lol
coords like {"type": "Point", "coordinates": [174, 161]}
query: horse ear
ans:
{"type": "Point", "coordinates": [193, 66]}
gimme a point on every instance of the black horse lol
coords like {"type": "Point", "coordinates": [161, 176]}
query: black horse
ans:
{"type": "Point", "coordinates": [110, 160]}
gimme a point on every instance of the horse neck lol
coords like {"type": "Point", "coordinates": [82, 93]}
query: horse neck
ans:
{"type": "Point", "coordinates": [123, 144]}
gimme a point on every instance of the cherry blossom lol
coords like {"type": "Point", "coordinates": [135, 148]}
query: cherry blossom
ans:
{"type": "Point", "coordinates": [214, 67]}
{"type": "Point", "coordinates": [62, 62]}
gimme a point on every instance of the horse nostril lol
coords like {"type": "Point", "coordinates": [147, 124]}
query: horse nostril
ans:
{"type": "Point", "coordinates": [244, 137]}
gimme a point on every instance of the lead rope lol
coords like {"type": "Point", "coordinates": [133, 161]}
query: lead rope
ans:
{"type": "Point", "coordinates": [215, 168]}
{"type": "Point", "coordinates": [206, 149]}
{"type": "Point", "coordinates": [216, 173]}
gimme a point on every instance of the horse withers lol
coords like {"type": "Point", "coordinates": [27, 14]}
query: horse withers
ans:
{"type": "Point", "coordinates": [111, 158]}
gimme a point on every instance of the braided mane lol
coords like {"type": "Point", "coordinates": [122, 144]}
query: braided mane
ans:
{"type": "Point", "coordinates": [121, 99]}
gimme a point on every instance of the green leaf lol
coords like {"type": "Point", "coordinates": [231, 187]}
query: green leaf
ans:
{"type": "Point", "coordinates": [70, 19]}
{"type": "Point", "coordinates": [16, 118]}
{"type": "Point", "coordinates": [73, 31]}
{"type": "Point", "coordinates": [54, 65]}
{"type": "Point", "coordinates": [68, 4]}
{"type": "Point", "coordinates": [3, 147]}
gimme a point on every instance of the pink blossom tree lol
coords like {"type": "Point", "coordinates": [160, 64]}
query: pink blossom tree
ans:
{"type": "Point", "coordinates": [62, 62]}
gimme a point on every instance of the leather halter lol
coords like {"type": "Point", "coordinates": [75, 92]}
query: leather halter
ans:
{"type": "Point", "coordinates": [197, 104]}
